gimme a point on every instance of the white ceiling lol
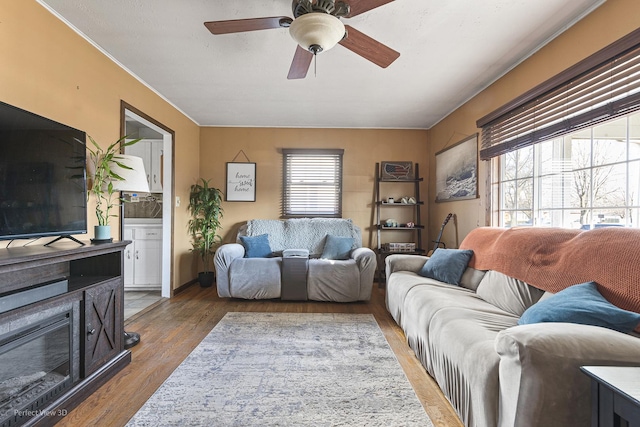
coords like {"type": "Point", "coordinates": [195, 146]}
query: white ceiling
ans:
{"type": "Point", "coordinates": [450, 50]}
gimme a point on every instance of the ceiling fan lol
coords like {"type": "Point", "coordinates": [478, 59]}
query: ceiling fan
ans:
{"type": "Point", "coordinates": [316, 27]}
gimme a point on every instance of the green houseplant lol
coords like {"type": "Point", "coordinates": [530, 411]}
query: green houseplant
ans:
{"type": "Point", "coordinates": [102, 176]}
{"type": "Point", "coordinates": [205, 207]}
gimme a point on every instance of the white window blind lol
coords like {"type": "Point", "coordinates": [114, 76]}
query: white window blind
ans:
{"type": "Point", "coordinates": [312, 183]}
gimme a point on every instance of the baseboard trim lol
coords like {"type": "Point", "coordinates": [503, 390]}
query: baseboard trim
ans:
{"type": "Point", "coordinates": [182, 288]}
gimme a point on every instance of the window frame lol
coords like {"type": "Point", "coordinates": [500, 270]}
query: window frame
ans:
{"type": "Point", "coordinates": [609, 200]}
{"type": "Point", "coordinates": [289, 194]}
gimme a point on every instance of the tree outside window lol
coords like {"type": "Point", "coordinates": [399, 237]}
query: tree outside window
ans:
{"type": "Point", "coordinates": [588, 179]}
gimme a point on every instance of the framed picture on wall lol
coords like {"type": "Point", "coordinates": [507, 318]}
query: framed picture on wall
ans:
{"type": "Point", "coordinates": [241, 182]}
{"type": "Point", "coordinates": [457, 171]}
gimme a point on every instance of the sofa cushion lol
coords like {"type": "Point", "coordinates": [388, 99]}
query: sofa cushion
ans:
{"type": "Point", "coordinates": [333, 280]}
{"type": "Point", "coordinates": [461, 343]}
{"type": "Point", "coordinates": [581, 304]}
{"type": "Point", "coordinates": [509, 294]}
{"type": "Point", "coordinates": [302, 233]}
{"type": "Point", "coordinates": [337, 247]}
{"type": "Point", "coordinates": [471, 278]}
{"type": "Point", "coordinates": [447, 265]}
{"type": "Point", "coordinates": [255, 278]}
{"type": "Point", "coordinates": [256, 246]}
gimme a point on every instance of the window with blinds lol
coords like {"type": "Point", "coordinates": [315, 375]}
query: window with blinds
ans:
{"type": "Point", "coordinates": [602, 87]}
{"type": "Point", "coordinates": [312, 183]}
{"type": "Point", "coordinates": [567, 152]}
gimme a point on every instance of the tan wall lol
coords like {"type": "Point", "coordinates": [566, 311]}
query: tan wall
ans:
{"type": "Point", "coordinates": [609, 22]}
{"type": "Point", "coordinates": [363, 148]}
{"type": "Point", "coordinates": [50, 70]}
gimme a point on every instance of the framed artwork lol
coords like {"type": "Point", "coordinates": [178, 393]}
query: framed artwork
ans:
{"type": "Point", "coordinates": [457, 171]}
{"type": "Point", "coordinates": [241, 182]}
{"type": "Point", "coordinates": [398, 171]}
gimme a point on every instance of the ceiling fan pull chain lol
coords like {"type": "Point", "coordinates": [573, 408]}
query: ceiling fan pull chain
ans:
{"type": "Point", "coordinates": [315, 65]}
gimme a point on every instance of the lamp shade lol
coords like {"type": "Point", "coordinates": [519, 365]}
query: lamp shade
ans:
{"type": "Point", "coordinates": [317, 32]}
{"type": "Point", "coordinates": [135, 179]}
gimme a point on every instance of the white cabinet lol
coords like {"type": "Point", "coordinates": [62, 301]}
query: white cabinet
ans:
{"type": "Point", "coordinates": [143, 257]}
{"type": "Point", "coordinates": [151, 151]}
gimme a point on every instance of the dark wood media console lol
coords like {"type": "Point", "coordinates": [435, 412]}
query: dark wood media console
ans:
{"type": "Point", "coordinates": [92, 294]}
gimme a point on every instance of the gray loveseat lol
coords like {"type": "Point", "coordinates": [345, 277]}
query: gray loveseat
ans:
{"type": "Point", "coordinates": [339, 280]}
{"type": "Point", "coordinates": [494, 371]}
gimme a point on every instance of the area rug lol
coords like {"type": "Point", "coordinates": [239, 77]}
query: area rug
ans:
{"type": "Point", "coordinates": [287, 369]}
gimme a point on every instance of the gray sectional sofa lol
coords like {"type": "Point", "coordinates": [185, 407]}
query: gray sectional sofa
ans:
{"type": "Point", "coordinates": [495, 371]}
{"type": "Point", "coordinates": [339, 276]}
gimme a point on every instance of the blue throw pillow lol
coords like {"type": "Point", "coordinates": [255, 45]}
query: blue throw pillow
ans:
{"type": "Point", "coordinates": [256, 246]}
{"type": "Point", "coordinates": [336, 247]}
{"type": "Point", "coordinates": [581, 304]}
{"type": "Point", "coordinates": [447, 265]}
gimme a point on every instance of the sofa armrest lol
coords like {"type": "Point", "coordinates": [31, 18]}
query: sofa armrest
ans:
{"type": "Point", "coordinates": [540, 379]}
{"type": "Point", "coordinates": [222, 260]}
{"type": "Point", "coordinates": [366, 261]}
{"type": "Point", "coordinates": [400, 262]}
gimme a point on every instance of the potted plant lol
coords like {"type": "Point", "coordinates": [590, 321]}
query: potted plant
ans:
{"type": "Point", "coordinates": [205, 207]}
{"type": "Point", "coordinates": [102, 176]}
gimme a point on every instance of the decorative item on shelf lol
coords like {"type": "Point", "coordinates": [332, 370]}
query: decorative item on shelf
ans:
{"type": "Point", "coordinates": [399, 171]}
{"type": "Point", "coordinates": [205, 207]}
{"type": "Point", "coordinates": [390, 200]}
{"type": "Point", "coordinates": [410, 224]}
{"type": "Point", "coordinates": [412, 200]}
{"type": "Point", "coordinates": [399, 247]}
{"type": "Point", "coordinates": [391, 223]}
{"type": "Point", "coordinates": [111, 172]}
{"type": "Point", "coordinates": [404, 200]}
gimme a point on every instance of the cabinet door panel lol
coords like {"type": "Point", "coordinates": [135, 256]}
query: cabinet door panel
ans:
{"type": "Point", "coordinates": [147, 262]}
{"type": "Point", "coordinates": [103, 325]}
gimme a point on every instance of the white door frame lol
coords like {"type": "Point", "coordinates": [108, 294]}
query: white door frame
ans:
{"type": "Point", "coordinates": [167, 197]}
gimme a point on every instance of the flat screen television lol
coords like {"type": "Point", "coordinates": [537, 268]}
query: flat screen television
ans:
{"type": "Point", "coordinates": [42, 176]}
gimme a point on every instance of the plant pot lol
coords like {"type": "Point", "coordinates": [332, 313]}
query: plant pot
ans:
{"type": "Point", "coordinates": [205, 278]}
{"type": "Point", "coordinates": [101, 233]}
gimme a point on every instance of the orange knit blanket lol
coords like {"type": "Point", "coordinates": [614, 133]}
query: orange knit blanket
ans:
{"type": "Point", "coordinates": [553, 259]}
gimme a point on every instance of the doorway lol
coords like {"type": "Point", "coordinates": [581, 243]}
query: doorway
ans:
{"type": "Point", "coordinates": [148, 217]}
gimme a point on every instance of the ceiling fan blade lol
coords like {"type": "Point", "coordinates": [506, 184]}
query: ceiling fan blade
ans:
{"type": "Point", "coordinates": [368, 48]}
{"type": "Point", "coordinates": [361, 6]}
{"type": "Point", "coordinates": [300, 65]}
{"type": "Point", "coordinates": [242, 25]}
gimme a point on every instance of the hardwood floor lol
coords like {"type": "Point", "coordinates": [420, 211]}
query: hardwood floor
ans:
{"type": "Point", "coordinates": [171, 329]}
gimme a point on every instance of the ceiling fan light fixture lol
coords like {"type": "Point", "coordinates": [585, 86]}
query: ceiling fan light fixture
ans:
{"type": "Point", "coordinates": [317, 32]}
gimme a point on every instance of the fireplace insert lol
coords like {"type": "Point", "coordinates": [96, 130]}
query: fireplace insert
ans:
{"type": "Point", "coordinates": [35, 367]}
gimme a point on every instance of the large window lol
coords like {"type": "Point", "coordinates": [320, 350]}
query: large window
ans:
{"type": "Point", "coordinates": [567, 152]}
{"type": "Point", "coordinates": [587, 179]}
{"type": "Point", "coordinates": [312, 183]}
